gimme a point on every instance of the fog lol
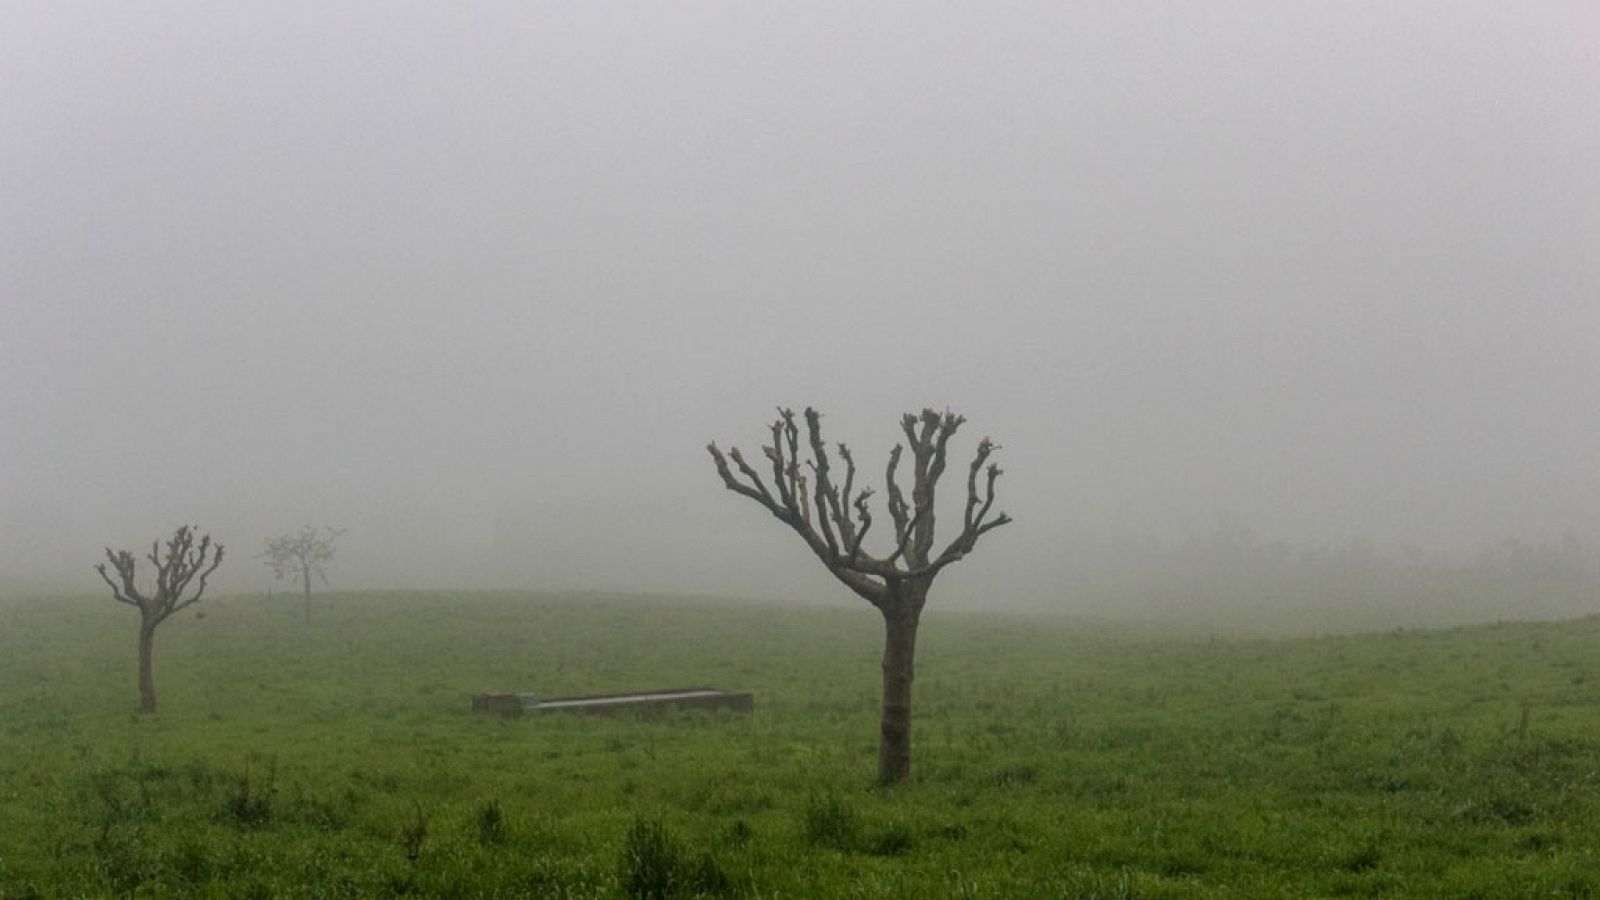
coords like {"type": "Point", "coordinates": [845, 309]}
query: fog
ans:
{"type": "Point", "coordinates": [479, 284]}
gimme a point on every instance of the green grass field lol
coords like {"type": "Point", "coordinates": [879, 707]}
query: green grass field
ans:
{"type": "Point", "coordinates": [1053, 758]}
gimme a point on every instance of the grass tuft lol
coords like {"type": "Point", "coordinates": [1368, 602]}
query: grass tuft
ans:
{"type": "Point", "coordinates": [248, 804]}
{"type": "Point", "coordinates": [830, 822]}
{"type": "Point", "coordinates": [491, 821]}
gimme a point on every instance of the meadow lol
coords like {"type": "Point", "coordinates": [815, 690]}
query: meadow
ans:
{"type": "Point", "coordinates": [1053, 757]}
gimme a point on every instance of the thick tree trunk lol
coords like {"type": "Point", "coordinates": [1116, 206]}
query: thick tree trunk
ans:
{"type": "Point", "coordinates": [147, 681]}
{"type": "Point", "coordinates": [305, 572]}
{"type": "Point", "coordinates": [899, 655]}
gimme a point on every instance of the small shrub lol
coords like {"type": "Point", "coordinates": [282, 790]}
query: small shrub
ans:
{"type": "Point", "coordinates": [740, 832]}
{"type": "Point", "coordinates": [1364, 859]}
{"type": "Point", "coordinates": [199, 776]}
{"type": "Point", "coordinates": [896, 840]}
{"type": "Point", "coordinates": [1182, 865]}
{"type": "Point", "coordinates": [120, 864]}
{"type": "Point", "coordinates": [1539, 842]}
{"type": "Point", "coordinates": [707, 879]}
{"type": "Point", "coordinates": [1576, 889]}
{"type": "Point", "coordinates": [124, 797]}
{"type": "Point", "coordinates": [401, 885]}
{"type": "Point", "coordinates": [830, 823]}
{"type": "Point", "coordinates": [491, 824]}
{"type": "Point", "coordinates": [1089, 885]}
{"type": "Point", "coordinates": [1498, 808]}
{"type": "Point", "coordinates": [190, 862]}
{"type": "Point", "coordinates": [414, 834]}
{"type": "Point", "coordinates": [249, 805]}
{"type": "Point", "coordinates": [1016, 776]}
{"type": "Point", "coordinates": [652, 864]}
{"type": "Point", "coordinates": [306, 808]}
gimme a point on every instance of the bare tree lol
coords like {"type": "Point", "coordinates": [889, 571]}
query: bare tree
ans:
{"type": "Point", "coordinates": [178, 564]}
{"type": "Point", "coordinates": [897, 584]}
{"type": "Point", "coordinates": [302, 555]}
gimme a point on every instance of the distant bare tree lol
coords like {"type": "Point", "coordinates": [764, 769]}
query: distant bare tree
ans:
{"type": "Point", "coordinates": [178, 564]}
{"type": "Point", "coordinates": [897, 584]}
{"type": "Point", "coordinates": [302, 555]}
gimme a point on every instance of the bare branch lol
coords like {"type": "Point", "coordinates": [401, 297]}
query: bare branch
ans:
{"type": "Point", "coordinates": [841, 503]}
{"type": "Point", "coordinates": [988, 500]}
{"type": "Point", "coordinates": [947, 429]}
{"type": "Point", "coordinates": [1003, 519]}
{"type": "Point", "coordinates": [826, 548]}
{"type": "Point", "coordinates": [897, 500]}
{"type": "Point", "coordinates": [820, 493]}
{"type": "Point", "coordinates": [865, 516]}
{"type": "Point", "coordinates": [200, 591]}
{"type": "Point", "coordinates": [755, 479]}
{"type": "Point", "coordinates": [183, 565]}
{"type": "Point", "coordinates": [908, 424]}
{"type": "Point", "coordinates": [985, 447]}
{"type": "Point", "coordinates": [780, 477]}
{"type": "Point", "coordinates": [117, 591]}
{"type": "Point", "coordinates": [864, 587]}
{"type": "Point", "coordinates": [827, 497]}
{"type": "Point", "coordinates": [155, 560]}
{"type": "Point", "coordinates": [791, 434]}
{"type": "Point", "coordinates": [927, 450]}
{"type": "Point", "coordinates": [904, 543]}
{"type": "Point", "coordinates": [974, 524]}
{"type": "Point", "coordinates": [732, 483]}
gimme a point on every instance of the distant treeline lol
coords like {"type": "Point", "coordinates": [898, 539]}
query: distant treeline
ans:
{"type": "Point", "coordinates": [1228, 579]}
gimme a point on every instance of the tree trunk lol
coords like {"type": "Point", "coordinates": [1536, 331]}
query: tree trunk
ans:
{"type": "Point", "coordinates": [147, 681]}
{"type": "Point", "coordinates": [305, 572]}
{"type": "Point", "coordinates": [899, 652]}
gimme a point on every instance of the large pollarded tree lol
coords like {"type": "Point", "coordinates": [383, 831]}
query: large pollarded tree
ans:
{"type": "Point", "coordinates": [182, 566]}
{"type": "Point", "coordinates": [833, 519]}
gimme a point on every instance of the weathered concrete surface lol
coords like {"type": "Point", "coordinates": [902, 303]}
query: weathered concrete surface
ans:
{"type": "Point", "coordinates": [610, 704]}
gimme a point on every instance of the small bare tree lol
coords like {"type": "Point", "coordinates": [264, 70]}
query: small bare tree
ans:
{"type": "Point", "coordinates": [178, 564]}
{"type": "Point", "coordinates": [897, 584]}
{"type": "Point", "coordinates": [302, 555]}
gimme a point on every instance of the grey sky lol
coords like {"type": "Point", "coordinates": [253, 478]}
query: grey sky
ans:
{"type": "Point", "coordinates": [479, 282]}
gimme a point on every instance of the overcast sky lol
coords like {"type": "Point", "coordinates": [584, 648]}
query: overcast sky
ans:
{"type": "Point", "coordinates": [478, 282]}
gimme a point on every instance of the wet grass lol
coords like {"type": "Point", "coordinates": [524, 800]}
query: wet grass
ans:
{"type": "Point", "coordinates": [1054, 759]}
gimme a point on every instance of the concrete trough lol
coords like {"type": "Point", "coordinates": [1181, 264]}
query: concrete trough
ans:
{"type": "Point", "coordinates": [613, 704]}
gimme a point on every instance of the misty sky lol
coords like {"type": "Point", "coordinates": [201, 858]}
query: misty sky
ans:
{"type": "Point", "coordinates": [479, 282]}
